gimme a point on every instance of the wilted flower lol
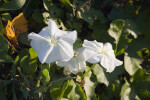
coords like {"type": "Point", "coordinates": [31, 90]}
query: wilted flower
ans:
{"type": "Point", "coordinates": [76, 63]}
{"type": "Point", "coordinates": [53, 44]}
{"type": "Point", "coordinates": [98, 52]}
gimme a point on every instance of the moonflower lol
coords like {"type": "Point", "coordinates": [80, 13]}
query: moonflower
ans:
{"type": "Point", "coordinates": [76, 63]}
{"type": "Point", "coordinates": [98, 52]}
{"type": "Point", "coordinates": [53, 44]}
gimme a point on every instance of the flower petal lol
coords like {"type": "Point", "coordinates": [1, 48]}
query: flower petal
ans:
{"type": "Point", "coordinates": [108, 49]}
{"type": "Point", "coordinates": [53, 28]}
{"type": "Point", "coordinates": [35, 36]}
{"type": "Point", "coordinates": [92, 45]}
{"type": "Point", "coordinates": [82, 66]}
{"type": "Point", "coordinates": [109, 63]}
{"type": "Point", "coordinates": [76, 66]}
{"type": "Point", "coordinates": [62, 51]}
{"type": "Point", "coordinates": [95, 59]}
{"type": "Point", "coordinates": [69, 36]}
{"type": "Point", "coordinates": [62, 63]}
{"type": "Point", "coordinates": [89, 53]}
{"type": "Point", "coordinates": [42, 48]}
{"type": "Point", "coordinates": [45, 32]}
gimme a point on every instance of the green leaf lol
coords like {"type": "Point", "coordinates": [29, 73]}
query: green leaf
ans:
{"type": "Point", "coordinates": [14, 66]}
{"type": "Point", "coordinates": [131, 59]}
{"type": "Point", "coordinates": [105, 77]}
{"type": "Point", "coordinates": [57, 91]}
{"type": "Point", "coordinates": [137, 90]}
{"type": "Point", "coordinates": [37, 16]}
{"type": "Point", "coordinates": [25, 92]}
{"type": "Point", "coordinates": [76, 92]}
{"type": "Point", "coordinates": [85, 16]}
{"type": "Point", "coordinates": [77, 44]}
{"type": "Point", "coordinates": [23, 38]}
{"type": "Point", "coordinates": [131, 64]}
{"type": "Point", "coordinates": [3, 44]}
{"type": "Point", "coordinates": [3, 50]}
{"type": "Point", "coordinates": [33, 54]}
{"type": "Point", "coordinates": [12, 5]}
{"type": "Point", "coordinates": [29, 61]}
{"type": "Point", "coordinates": [128, 93]}
{"type": "Point", "coordinates": [89, 85]}
{"type": "Point", "coordinates": [131, 28]}
{"type": "Point", "coordinates": [142, 21]}
{"type": "Point", "coordinates": [47, 4]}
{"type": "Point", "coordinates": [1, 26]}
{"type": "Point", "coordinates": [66, 3]}
{"type": "Point", "coordinates": [6, 17]}
{"type": "Point", "coordinates": [140, 78]}
{"type": "Point", "coordinates": [100, 32]}
{"type": "Point", "coordinates": [56, 12]}
{"type": "Point", "coordinates": [2, 95]}
{"type": "Point", "coordinates": [14, 94]}
{"type": "Point", "coordinates": [45, 75]}
{"type": "Point", "coordinates": [117, 13]}
{"type": "Point", "coordinates": [4, 83]}
{"type": "Point", "coordinates": [115, 29]}
{"type": "Point", "coordinates": [100, 74]}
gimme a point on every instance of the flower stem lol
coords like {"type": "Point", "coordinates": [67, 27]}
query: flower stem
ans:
{"type": "Point", "coordinates": [89, 70]}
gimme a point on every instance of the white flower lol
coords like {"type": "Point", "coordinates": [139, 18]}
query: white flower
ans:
{"type": "Point", "coordinates": [53, 44]}
{"type": "Point", "coordinates": [97, 52]}
{"type": "Point", "coordinates": [76, 63]}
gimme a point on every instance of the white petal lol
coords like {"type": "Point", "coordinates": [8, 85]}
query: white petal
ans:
{"type": "Point", "coordinates": [73, 65]}
{"type": "Point", "coordinates": [35, 36]}
{"type": "Point", "coordinates": [45, 32]}
{"type": "Point", "coordinates": [97, 58]}
{"type": "Point", "coordinates": [80, 56]}
{"type": "Point", "coordinates": [62, 51]}
{"type": "Point", "coordinates": [76, 67]}
{"type": "Point", "coordinates": [62, 63]}
{"type": "Point", "coordinates": [69, 36]}
{"type": "Point", "coordinates": [42, 48]}
{"type": "Point", "coordinates": [53, 28]}
{"type": "Point", "coordinates": [118, 62]}
{"type": "Point", "coordinates": [109, 63]}
{"type": "Point", "coordinates": [82, 66]}
{"type": "Point", "coordinates": [92, 45]}
{"type": "Point", "coordinates": [89, 53]}
{"type": "Point", "coordinates": [108, 46]}
{"type": "Point", "coordinates": [66, 50]}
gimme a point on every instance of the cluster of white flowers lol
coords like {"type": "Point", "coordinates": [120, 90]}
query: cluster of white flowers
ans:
{"type": "Point", "coordinates": [55, 45]}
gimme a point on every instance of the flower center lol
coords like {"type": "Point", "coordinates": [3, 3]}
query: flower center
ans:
{"type": "Point", "coordinates": [75, 54]}
{"type": "Point", "coordinates": [53, 41]}
{"type": "Point", "coordinates": [103, 52]}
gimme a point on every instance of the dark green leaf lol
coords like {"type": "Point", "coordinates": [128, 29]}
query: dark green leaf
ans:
{"type": "Point", "coordinates": [23, 38]}
{"type": "Point", "coordinates": [4, 83]}
{"type": "Point", "coordinates": [25, 92]}
{"type": "Point", "coordinates": [2, 95]}
{"type": "Point", "coordinates": [116, 13]}
{"type": "Point", "coordinates": [1, 26]}
{"type": "Point", "coordinates": [12, 5]}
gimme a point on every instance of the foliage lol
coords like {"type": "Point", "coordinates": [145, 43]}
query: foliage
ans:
{"type": "Point", "coordinates": [123, 23]}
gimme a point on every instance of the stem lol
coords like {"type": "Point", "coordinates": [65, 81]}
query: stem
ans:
{"type": "Point", "coordinates": [89, 70]}
{"type": "Point", "coordinates": [63, 79]}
